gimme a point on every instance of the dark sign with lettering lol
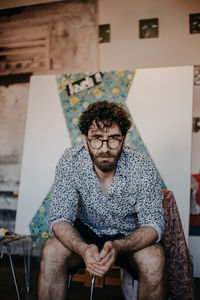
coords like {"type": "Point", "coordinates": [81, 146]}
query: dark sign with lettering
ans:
{"type": "Point", "coordinates": [84, 84]}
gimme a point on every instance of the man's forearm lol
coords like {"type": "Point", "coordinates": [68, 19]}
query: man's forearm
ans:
{"type": "Point", "coordinates": [69, 237]}
{"type": "Point", "coordinates": [138, 239]}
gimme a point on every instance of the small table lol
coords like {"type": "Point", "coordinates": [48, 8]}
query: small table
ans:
{"type": "Point", "coordinates": [21, 245]}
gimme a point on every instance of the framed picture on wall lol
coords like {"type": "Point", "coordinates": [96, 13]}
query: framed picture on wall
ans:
{"type": "Point", "coordinates": [104, 33]}
{"type": "Point", "coordinates": [194, 23]}
{"type": "Point", "coordinates": [196, 125]}
{"type": "Point", "coordinates": [197, 75]}
{"type": "Point", "coordinates": [148, 28]}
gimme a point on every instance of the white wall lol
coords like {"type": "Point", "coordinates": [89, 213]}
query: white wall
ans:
{"type": "Point", "coordinates": [194, 241]}
{"type": "Point", "coordinates": [195, 167]}
{"type": "Point", "coordinates": [160, 101]}
{"type": "Point", "coordinates": [174, 46]}
{"type": "Point", "coordinates": [46, 138]}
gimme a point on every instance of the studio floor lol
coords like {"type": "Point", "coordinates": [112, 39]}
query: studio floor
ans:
{"type": "Point", "coordinates": [78, 291]}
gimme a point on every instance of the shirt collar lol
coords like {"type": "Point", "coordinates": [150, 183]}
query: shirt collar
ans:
{"type": "Point", "coordinates": [122, 164]}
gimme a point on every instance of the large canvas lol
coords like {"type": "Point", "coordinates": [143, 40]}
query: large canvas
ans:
{"type": "Point", "coordinates": [154, 98]}
{"type": "Point", "coordinates": [76, 92]}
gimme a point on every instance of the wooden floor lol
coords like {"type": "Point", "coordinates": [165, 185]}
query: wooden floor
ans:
{"type": "Point", "coordinates": [78, 291]}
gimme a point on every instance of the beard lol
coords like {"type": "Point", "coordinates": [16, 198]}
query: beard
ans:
{"type": "Point", "coordinates": [105, 165]}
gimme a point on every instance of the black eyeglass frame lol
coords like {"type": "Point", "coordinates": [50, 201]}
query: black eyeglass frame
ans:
{"type": "Point", "coordinates": [107, 141]}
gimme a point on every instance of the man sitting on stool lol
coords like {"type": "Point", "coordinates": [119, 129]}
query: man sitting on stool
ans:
{"type": "Point", "coordinates": [106, 208]}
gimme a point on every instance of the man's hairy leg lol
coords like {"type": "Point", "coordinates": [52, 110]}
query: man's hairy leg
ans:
{"type": "Point", "coordinates": [150, 263]}
{"type": "Point", "coordinates": [55, 261]}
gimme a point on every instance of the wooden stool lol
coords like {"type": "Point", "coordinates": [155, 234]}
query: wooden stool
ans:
{"type": "Point", "coordinates": [81, 275]}
{"type": "Point", "coordinates": [91, 286]}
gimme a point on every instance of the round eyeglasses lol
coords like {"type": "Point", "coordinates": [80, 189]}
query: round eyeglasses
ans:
{"type": "Point", "coordinates": [98, 143]}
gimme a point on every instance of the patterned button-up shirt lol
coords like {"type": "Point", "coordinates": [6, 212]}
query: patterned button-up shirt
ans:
{"type": "Point", "coordinates": [134, 199]}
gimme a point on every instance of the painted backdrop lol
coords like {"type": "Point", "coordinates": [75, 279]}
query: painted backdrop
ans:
{"type": "Point", "coordinates": [76, 92]}
{"type": "Point", "coordinates": [154, 98]}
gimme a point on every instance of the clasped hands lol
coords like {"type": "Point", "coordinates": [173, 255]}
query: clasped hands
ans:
{"type": "Point", "coordinates": [98, 263]}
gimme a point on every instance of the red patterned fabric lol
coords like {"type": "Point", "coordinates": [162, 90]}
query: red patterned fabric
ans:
{"type": "Point", "coordinates": [197, 177]}
{"type": "Point", "coordinates": [180, 278]}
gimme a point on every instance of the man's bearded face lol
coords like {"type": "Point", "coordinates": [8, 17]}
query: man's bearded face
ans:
{"type": "Point", "coordinates": [105, 158]}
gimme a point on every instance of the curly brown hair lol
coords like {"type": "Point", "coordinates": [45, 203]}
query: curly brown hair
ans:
{"type": "Point", "coordinates": [105, 112]}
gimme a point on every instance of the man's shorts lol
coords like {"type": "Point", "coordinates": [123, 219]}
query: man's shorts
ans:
{"type": "Point", "coordinates": [123, 260]}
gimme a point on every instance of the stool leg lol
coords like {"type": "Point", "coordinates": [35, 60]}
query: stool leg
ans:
{"type": "Point", "coordinates": [14, 277]}
{"type": "Point", "coordinates": [92, 287]}
{"type": "Point", "coordinates": [69, 286]}
{"type": "Point", "coordinates": [27, 249]}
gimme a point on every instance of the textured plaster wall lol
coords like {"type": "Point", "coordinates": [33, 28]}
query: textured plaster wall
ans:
{"type": "Point", "coordinates": [13, 107]}
{"type": "Point", "coordinates": [55, 37]}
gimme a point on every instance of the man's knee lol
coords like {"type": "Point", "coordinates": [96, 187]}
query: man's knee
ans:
{"type": "Point", "coordinates": [53, 267]}
{"type": "Point", "coordinates": [56, 256]}
{"type": "Point", "coordinates": [151, 262]}
{"type": "Point", "coordinates": [53, 252]}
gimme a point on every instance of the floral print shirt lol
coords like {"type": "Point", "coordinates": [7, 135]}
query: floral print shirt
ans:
{"type": "Point", "coordinates": [134, 199]}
